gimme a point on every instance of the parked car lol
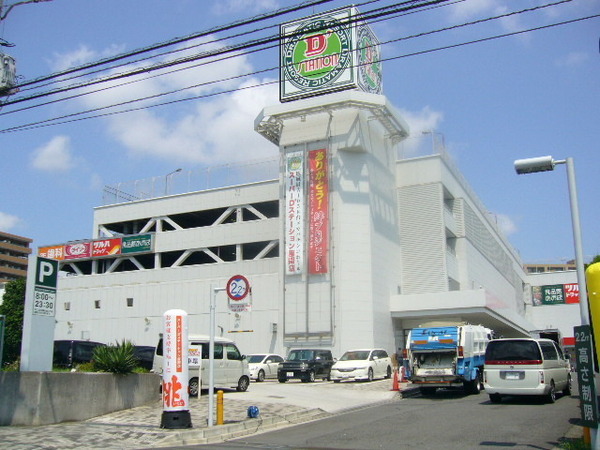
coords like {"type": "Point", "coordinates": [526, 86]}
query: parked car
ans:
{"type": "Point", "coordinates": [145, 355]}
{"type": "Point", "coordinates": [230, 366]}
{"type": "Point", "coordinates": [70, 353]}
{"type": "Point", "coordinates": [263, 365]}
{"type": "Point", "coordinates": [362, 364]}
{"type": "Point", "coordinates": [525, 367]}
{"type": "Point", "coordinates": [306, 364]}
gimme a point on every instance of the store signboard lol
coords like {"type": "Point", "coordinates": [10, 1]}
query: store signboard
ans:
{"type": "Point", "coordinates": [555, 294]}
{"type": "Point", "coordinates": [294, 213]}
{"type": "Point", "coordinates": [99, 248]}
{"type": "Point", "coordinates": [137, 244]}
{"type": "Point", "coordinates": [328, 52]}
{"type": "Point", "coordinates": [318, 220]}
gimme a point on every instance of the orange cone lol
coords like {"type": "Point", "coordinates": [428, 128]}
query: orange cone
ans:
{"type": "Point", "coordinates": [395, 384]}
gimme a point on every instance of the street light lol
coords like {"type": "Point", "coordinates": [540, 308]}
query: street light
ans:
{"type": "Point", "coordinates": [545, 164]}
{"type": "Point", "coordinates": [167, 176]}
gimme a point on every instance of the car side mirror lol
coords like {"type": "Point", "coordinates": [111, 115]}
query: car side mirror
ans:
{"type": "Point", "coordinates": [268, 361]}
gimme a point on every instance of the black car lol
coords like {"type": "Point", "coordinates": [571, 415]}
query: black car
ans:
{"type": "Point", "coordinates": [145, 355]}
{"type": "Point", "coordinates": [306, 364]}
{"type": "Point", "coordinates": [70, 353]}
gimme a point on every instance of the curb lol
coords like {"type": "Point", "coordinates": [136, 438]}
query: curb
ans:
{"type": "Point", "coordinates": [221, 433]}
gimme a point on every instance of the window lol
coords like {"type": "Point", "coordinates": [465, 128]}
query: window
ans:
{"type": "Point", "coordinates": [548, 351]}
{"type": "Point", "coordinates": [129, 302]}
{"type": "Point", "coordinates": [232, 352]}
{"type": "Point", "coordinates": [97, 304]}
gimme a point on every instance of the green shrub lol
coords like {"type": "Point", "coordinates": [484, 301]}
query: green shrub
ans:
{"type": "Point", "coordinates": [116, 358]}
{"type": "Point", "coordinates": [86, 367]}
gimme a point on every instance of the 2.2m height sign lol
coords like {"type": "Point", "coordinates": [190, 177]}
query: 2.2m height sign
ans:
{"type": "Point", "coordinates": [44, 291]}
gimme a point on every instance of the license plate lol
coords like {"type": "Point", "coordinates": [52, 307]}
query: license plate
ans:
{"type": "Point", "coordinates": [512, 376]}
{"type": "Point", "coordinates": [290, 374]}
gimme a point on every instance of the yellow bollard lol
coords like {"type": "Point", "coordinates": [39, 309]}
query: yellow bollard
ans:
{"type": "Point", "coordinates": [592, 277]}
{"type": "Point", "coordinates": [219, 407]}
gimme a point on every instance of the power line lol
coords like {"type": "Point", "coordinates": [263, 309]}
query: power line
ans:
{"type": "Point", "coordinates": [42, 124]}
{"type": "Point", "coordinates": [380, 12]}
{"type": "Point", "coordinates": [501, 16]}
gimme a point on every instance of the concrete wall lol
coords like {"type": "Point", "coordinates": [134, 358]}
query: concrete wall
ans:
{"type": "Point", "coordinates": [41, 398]}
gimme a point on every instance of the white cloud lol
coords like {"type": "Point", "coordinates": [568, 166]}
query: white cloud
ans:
{"type": "Point", "coordinates": [8, 221]}
{"type": "Point", "coordinates": [216, 131]}
{"type": "Point", "coordinates": [423, 125]}
{"type": "Point", "coordinates": [233, 6]}
{"type": "Point", "coordinates": [471, 8]}
{"type": "Point", "coordinates": [573, 59]}
{"type": "Point", "coordinates": [83, 54]}
{"type": "Point", "coordinates": [55, 156]}
{"type": "Point", "coordinates": [506, 224]}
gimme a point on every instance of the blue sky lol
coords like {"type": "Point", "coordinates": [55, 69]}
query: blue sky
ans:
{"type": "Point", "coordinates": [529, 94]}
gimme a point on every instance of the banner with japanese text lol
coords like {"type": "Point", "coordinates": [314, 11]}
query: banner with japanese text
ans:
{"type": "Point", "coordinates": [318, 225]}
{"type": "Point", "coordinates": [555, 294]}
{"type": "Point", "coordinates": [294, 213]}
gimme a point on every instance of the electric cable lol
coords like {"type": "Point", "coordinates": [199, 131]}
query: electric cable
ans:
{"type": "Point", "coordinates": [204, 96]}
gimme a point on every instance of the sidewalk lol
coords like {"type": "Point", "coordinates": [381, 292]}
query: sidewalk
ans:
{"type": "Point", "coordinates": [139, 427]}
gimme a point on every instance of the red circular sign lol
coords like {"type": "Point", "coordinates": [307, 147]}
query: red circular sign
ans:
{"type": "Point", "coordinates": [238, 288]}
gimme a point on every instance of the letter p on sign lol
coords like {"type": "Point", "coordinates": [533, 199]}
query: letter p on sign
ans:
{"type": "Point", "coordinates": [46, 272]}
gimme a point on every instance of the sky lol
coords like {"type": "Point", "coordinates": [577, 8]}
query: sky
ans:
{"type": "Point", "coordinates": [490, 91]}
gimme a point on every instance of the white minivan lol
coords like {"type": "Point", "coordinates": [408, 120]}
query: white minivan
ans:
{"type": "Point", "coordinates": [524, 366]}
{"type": "Point", "coordinates": [230, 366]}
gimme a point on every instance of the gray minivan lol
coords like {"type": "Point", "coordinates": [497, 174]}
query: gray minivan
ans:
{"type": "Point", "coordinates": [525, 366]}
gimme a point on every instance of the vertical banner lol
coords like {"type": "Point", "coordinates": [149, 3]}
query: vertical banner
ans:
{"type": "Point", "coordinates": [585, 376]}
{"type": "Point", "coordinates": [294, 213]}
{"type": "Point", "coordinates": [318, 212]}
{"type": "Point", "coordinates": [175, 371]}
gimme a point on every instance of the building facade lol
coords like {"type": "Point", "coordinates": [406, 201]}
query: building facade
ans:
{"type": "Point", "coordinates": [14, 251]}
{"type": "Point", "coordinates": [346, 245]}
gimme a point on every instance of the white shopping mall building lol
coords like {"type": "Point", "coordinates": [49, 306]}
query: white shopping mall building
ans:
{"type": "Point", "coordinates": [345, 240]}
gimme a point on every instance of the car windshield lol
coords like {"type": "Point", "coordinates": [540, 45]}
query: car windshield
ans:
{"type": "Point", "coordinates": [301, 355]}
{"type": "Point", "coordinates": [517, 350]}
{"type": "Point", "coordinates": [255, 358]}
{"type": "Point", "coordinates": [355, 355]}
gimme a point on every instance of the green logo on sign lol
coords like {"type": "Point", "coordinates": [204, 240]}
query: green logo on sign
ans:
{"type": "Point", "coordinates": [318, 53]}
{"type": "Point", "coordinates": [369, 61]}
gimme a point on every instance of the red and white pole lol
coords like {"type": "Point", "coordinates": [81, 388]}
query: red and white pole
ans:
{"type": "Point", "coordinates": [175, 380]}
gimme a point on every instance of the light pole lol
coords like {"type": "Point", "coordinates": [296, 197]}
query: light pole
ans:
{"type": "Point", "coordinates": [547, 163]}
{"type": "Point", "coordinates": [167, 176]}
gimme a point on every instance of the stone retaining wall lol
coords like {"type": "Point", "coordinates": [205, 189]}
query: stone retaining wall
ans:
{"type": "Point", "coordinates": [41, 398]}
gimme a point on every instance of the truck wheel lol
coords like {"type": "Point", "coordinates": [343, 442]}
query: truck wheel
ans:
{"type": "Point", "coordinates": [282, 380]}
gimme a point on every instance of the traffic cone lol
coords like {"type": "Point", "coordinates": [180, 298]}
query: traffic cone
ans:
{"type": "Point", "coordinates": [395, 384]}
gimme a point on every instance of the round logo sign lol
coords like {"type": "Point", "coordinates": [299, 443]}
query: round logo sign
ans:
{"type": "Point", "coordinates": [369, 61]}
{"type": "Point", "coordinates": [317, 53]}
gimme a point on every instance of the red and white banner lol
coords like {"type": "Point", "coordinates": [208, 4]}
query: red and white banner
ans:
{"type": "Point", "coordinates": [318, 227]}
{"type": "Point", "coordinates": [175, 361]}
{"type": "Point", "coordinates": [294, 213]}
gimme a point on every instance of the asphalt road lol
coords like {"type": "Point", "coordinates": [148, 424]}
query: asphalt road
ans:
{"type": "Point", "coordinates": [448, 420]}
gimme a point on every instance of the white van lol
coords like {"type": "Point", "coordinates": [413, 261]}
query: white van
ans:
{"type": "Point", "coordinates": [524, 366]}
{"type": "Point", "coordinates": [230, 366]}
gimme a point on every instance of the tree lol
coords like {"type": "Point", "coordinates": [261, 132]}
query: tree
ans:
{"type": "Point", "coordinates": [13, 308]}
